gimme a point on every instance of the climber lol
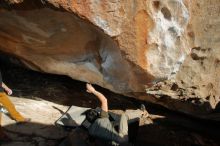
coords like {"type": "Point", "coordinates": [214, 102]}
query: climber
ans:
{"type": "Point", "coordinates": [101, 127]}
{"type": "Point", "coordinates": [7, 104]}
{"type": "Point", "coordinates": [99, 123]}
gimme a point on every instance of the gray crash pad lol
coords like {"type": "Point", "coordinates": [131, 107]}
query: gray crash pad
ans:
{"type": "Point", "coordinates": [75, 115]}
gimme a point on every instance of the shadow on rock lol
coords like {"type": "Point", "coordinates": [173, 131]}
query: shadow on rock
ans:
{"type": "Point", "coordinates": [33, 134]}
{"type": "Point", "coordinates": [160, 132]}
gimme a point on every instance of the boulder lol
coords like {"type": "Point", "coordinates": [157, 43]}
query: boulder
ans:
{"type": "Point", "coordinates": [124, 46]}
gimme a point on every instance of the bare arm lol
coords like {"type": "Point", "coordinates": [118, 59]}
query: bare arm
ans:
{"type": "Point", "coordinates": [6, 88]}
{"type": "Point", "coordinates": [100, 96]}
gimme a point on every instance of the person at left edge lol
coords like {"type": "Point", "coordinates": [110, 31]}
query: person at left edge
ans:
{"type": "Point", "coordinates": [8, 105]}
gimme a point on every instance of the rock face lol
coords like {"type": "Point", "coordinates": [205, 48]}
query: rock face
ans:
{"type": "Point", "coordinates": [41, 130]}
{"type": "Point", "coordinates": [124, 46]}
{"type": "Point", "coordinates": [55, 41]}
{"type": "Point", "coordinates": [150, 34]}
{"type": "Point", "coordinates": [196, 83]}
{"type": "Point", "coordinates": [201, 67]}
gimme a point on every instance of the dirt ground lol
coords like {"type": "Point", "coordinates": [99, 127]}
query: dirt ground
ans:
{"type": "Point", "coordinates": [168, 127]}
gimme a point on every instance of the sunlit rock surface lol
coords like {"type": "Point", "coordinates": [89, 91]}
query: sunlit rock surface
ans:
{"type": "Point", "coordinates": [41, 130]}
{"type": "Point", "coordinates": [150, 34]}
{"type": "Point", "coordinates": [124, 46]}
{"type": "Point", "coordinates": [56, 41]}
{"type": "Point", "coordinates": [195, 87]}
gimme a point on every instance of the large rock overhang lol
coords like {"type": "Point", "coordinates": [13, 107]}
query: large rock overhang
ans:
{"type": "Point", "coordinates": [56, 41]}
{"type": "Point", "coordinates": [125, 46]}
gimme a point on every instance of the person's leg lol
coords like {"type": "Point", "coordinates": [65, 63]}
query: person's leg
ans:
{"type": "Point", "coordinates": [7, 104]}
{"type": "Point", "coordinates": [134, 115]}
{"type": "Point", "coordinates": [123, 128]}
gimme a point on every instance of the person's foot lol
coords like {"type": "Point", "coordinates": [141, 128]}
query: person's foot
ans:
{"type": "Point", "coordinates": [143, 109]}
{"type": "Point", "coordinates": [26, 120]}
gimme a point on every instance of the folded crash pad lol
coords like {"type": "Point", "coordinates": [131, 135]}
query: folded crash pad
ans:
{"type": "Point", "coordinates": [75, 116]}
